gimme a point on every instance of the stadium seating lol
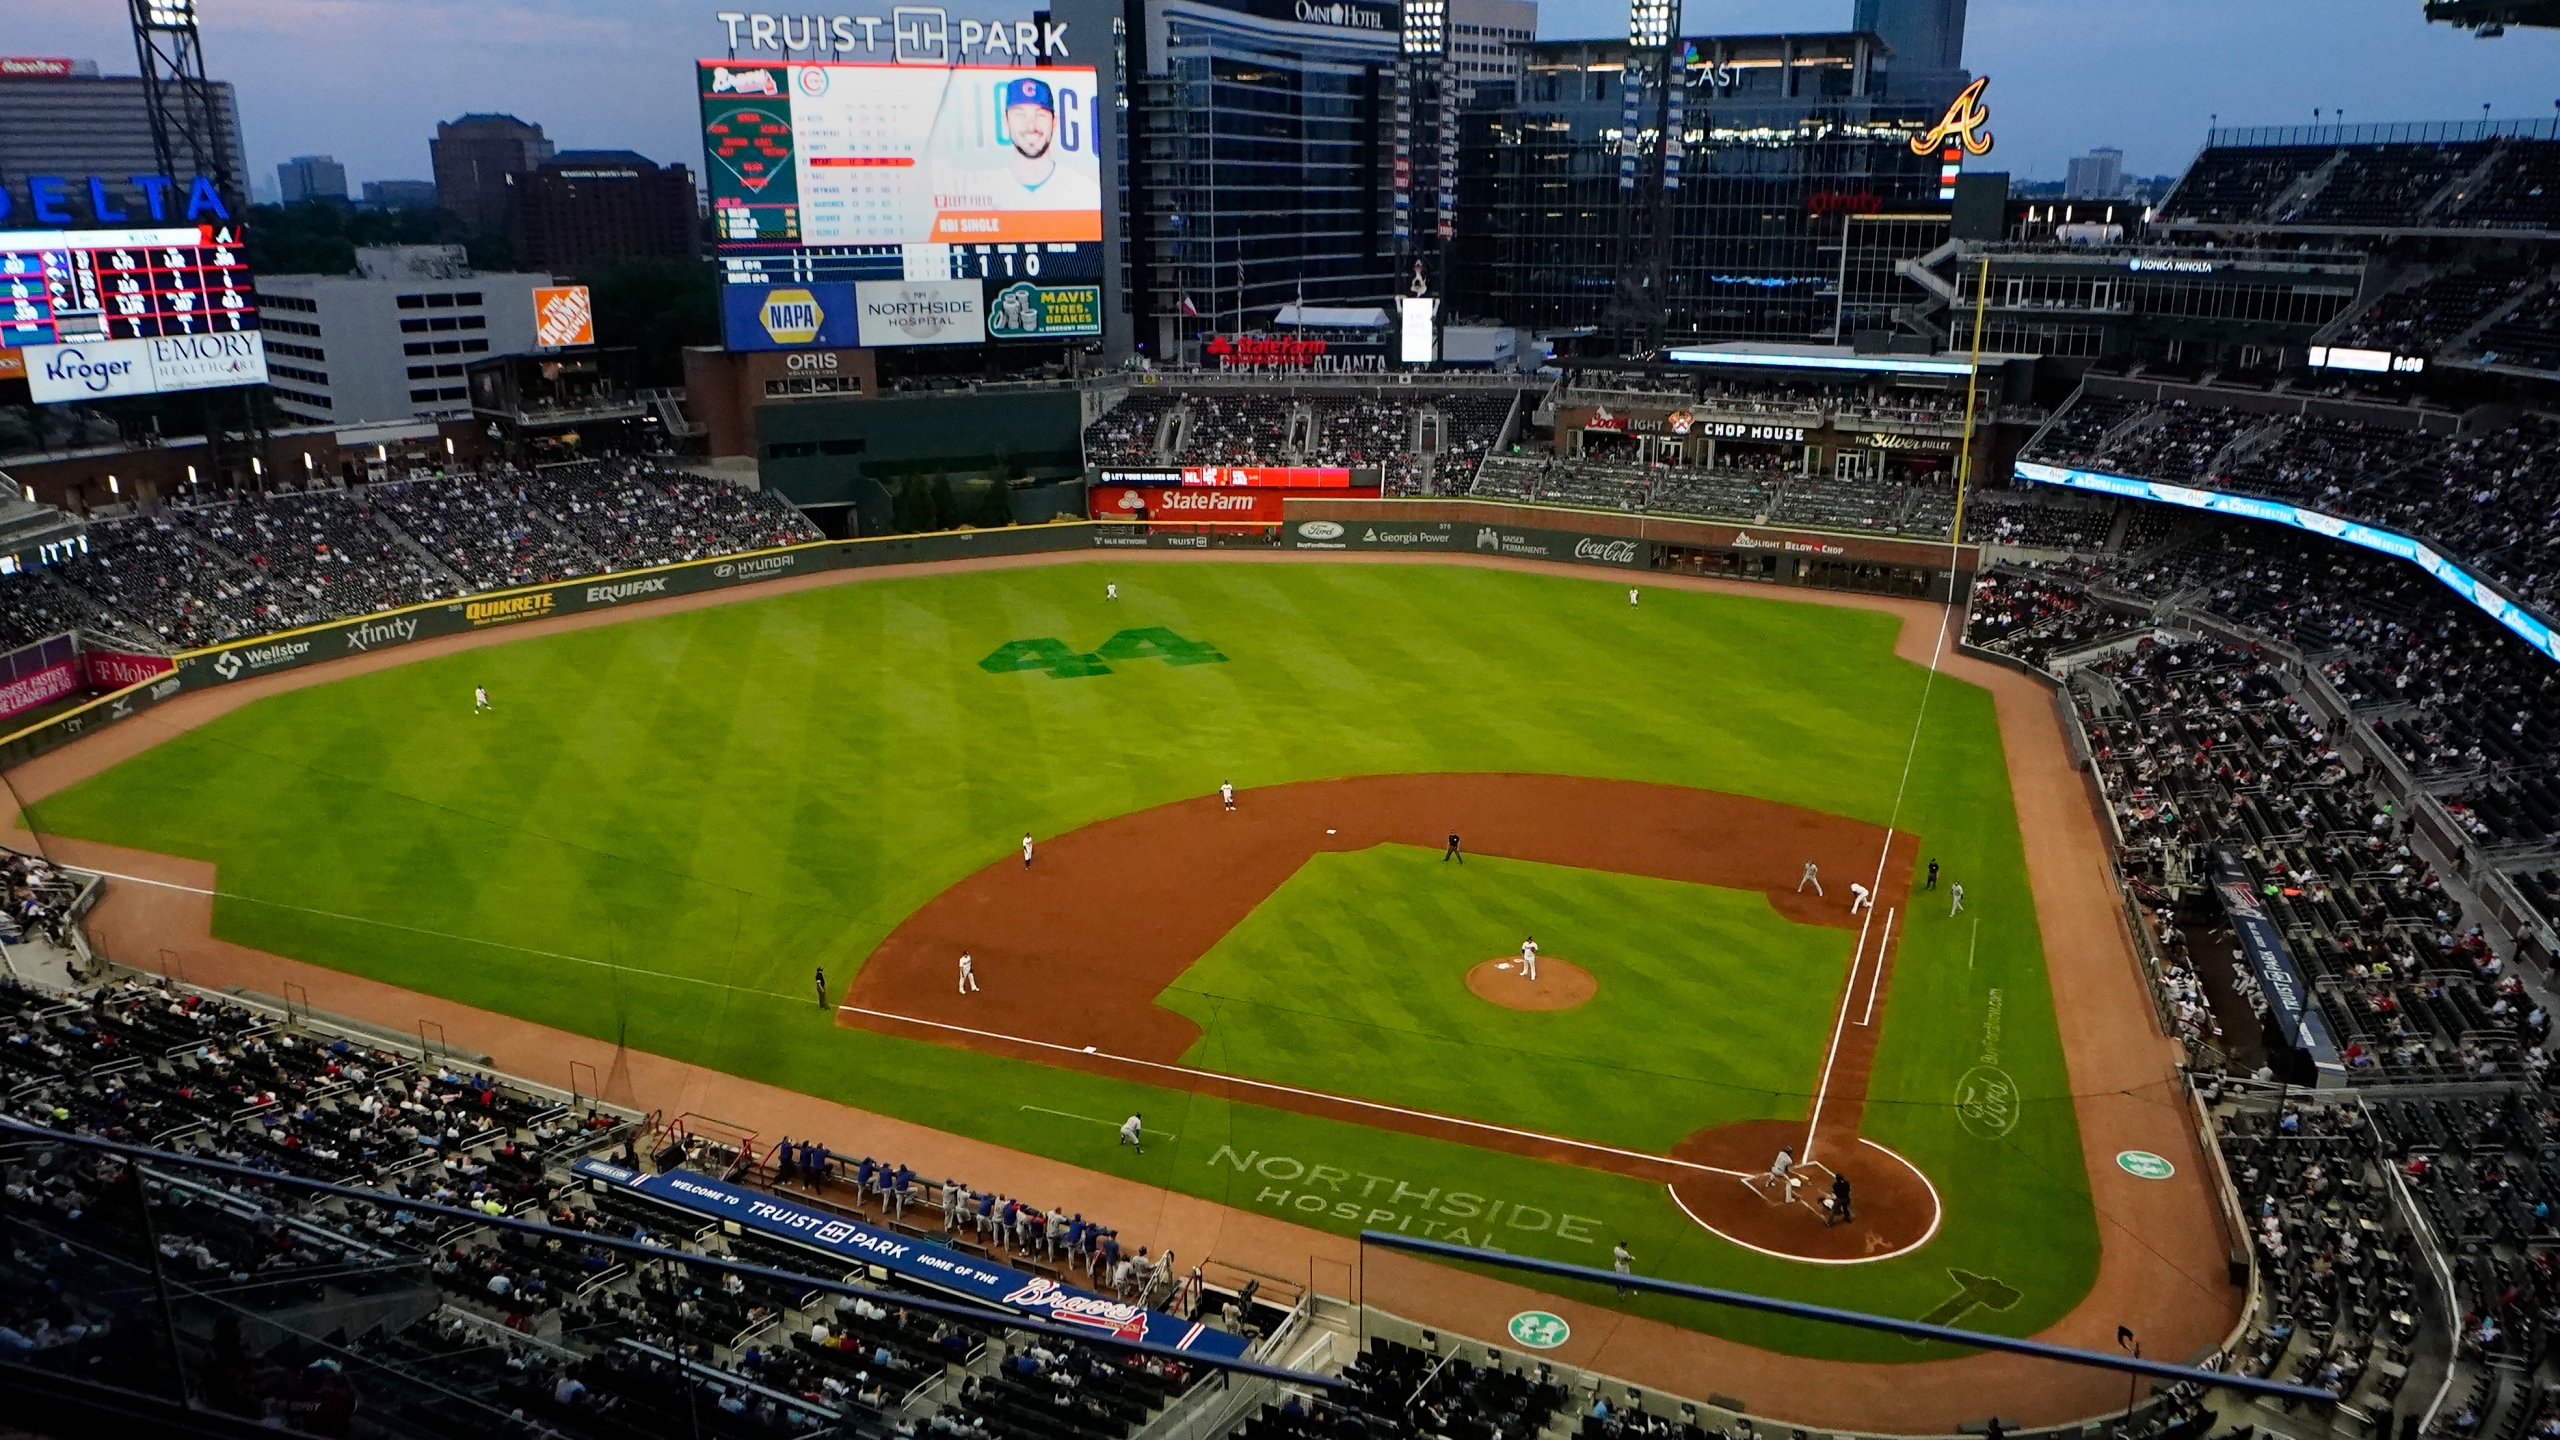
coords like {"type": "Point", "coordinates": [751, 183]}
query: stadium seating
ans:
{"type": "Point", "coordinates": [187, 576]}
{"type": "Point", "coordinates": [2491, 496]}
{"type": "Point", "coordinates": [2499, 183]}
{"type": "Point", "coordinates": [581, 1339]}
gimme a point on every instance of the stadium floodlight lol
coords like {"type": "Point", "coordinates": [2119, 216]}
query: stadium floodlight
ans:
{"type": "Point", "coordinates": [1649, 23]}
{"type": "Point", "coordinates": [1426, 28]}
{"type": "Point", "coordinates": [170, 14]}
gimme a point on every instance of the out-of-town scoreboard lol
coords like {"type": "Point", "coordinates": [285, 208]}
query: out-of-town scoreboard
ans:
{"type": "Point", "coordinates": [127, 287]}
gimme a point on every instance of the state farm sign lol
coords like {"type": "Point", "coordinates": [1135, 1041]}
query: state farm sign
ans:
{"type": "Point", "coordinates": [1187, 504]}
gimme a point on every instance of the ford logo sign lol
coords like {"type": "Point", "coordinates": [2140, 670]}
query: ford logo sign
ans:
{"type": "Point", "coordinates": [1320, 530]}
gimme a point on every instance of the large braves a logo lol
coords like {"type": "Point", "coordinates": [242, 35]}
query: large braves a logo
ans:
{"type": "Point", "coordinates": [1963, 122]}
{"type": "Point", "coordinates": [1124, 1322]}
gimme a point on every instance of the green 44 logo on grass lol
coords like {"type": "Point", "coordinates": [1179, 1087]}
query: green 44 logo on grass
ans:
{"type": "Point", "coordinates": [1151, 643]}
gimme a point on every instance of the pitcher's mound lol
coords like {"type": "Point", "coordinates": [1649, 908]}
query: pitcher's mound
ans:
{"type": "Point", "coordinates": [1561, 984]}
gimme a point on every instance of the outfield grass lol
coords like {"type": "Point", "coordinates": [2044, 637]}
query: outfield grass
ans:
{"type": "Point", "coordinates": [668, 822]}
{"type": "Point", "coordinates": [1351, 978]}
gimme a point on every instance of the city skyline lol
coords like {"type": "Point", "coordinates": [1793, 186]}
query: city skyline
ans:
{"type": "Point", "coordinates": [599, 75]}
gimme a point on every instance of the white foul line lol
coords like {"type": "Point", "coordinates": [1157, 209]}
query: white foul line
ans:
{"type": "Point", "coordinates": [1294, 1090]}
{"type": "Point", "coordinates": [1877, 983]}
{"type": "Point", "coordinates": [1969, 944]}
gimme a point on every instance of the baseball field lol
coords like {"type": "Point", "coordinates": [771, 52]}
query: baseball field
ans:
{"type": "Point", "coordinates": [666, 825]}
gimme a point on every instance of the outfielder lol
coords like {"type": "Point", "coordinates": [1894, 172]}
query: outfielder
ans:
{"type": "Point", "coordinates": [480, 699]}
{"type": "Point", "coordinates": [1529, 957]}
{"type": "Point", "coordinates": [968, 973]}
{"type": "Point", "coordinates": [1631, 597]}
{"type": "Point", "coordinates": [1026, 849]}
{"type": "Point", "coordinates": [1227, 793]}
{"type": "Point", "coordinates": [1956, 890]}
{"type": "Point", "coordinates": [1858, 897]}
{"type": "Point", "coordinates": [1812, 877]}
{"type": "Point", "coordinates": [1111, 590]}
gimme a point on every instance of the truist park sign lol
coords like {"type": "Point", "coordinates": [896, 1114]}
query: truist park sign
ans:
{"type": "Point", "coordinates": [906, 35]}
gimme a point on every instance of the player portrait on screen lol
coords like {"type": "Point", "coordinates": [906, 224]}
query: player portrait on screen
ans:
{"type": "Point", "coordinates": [1033, 165]}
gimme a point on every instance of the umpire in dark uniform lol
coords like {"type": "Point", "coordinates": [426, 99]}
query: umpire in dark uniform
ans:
{"type": "Point", "coordinates": [1453, 851]}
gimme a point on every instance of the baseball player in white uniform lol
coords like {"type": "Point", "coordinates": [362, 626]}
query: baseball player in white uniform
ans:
{"type": "Point", "coordinates": [1858, 897]}
{"type": "Point", "coordinates": [1026, 849]}
{"type": "Point", "coordinates": [968, 973]}
{"type": "Point", "coordinates": [1529, 958]}
{"type": "Point", "coordinates": [1812, 877]}
{"type": "Point", "coordinates": [1131, 1133]}
{"type": "Point", "coordinates": [1957, 890]}
{"type": "Point", "coordinates": [480, 699]}
{"type": "Point", "coordinates": [1781, 1172]}
{"type": "Point", "coordinates": [1632, 593]}
{"type": "Point", "coordinates": [1227, 793]}
{"type": "Point", "coordinates": [1111, 590]}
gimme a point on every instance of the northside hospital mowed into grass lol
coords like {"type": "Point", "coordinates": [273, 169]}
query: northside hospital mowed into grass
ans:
{"type": "Point", "coordinates": [673, 819]}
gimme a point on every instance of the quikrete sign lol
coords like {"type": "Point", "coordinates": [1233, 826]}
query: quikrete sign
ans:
{"type": "Point", "coordinates": [91, 201]}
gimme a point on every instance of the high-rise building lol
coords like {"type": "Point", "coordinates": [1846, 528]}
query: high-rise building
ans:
{"type": "Point", "coordinates": [1262, 153]}
{"type": "Point", "coordinates": [399, 194]}
{"type": "Point", "coordinates": [70, 120]}
{"type": "Point", "coordinates": [475, 155]}
{"type": "Point", "coordinates": [587, 205]}
{"type": "Point", "coordinates": [1488, 39]}
{"type": "Point", "coordinates": [312, 177]}
{"type": "Point", "coordinates": [2098, 175]}
{"type": "Point", "coordinates": [1796, 162]}
{"type": "Point", "coordinates": [389, 342]}
{"type": "Point", "coordinates": [1926, 38]}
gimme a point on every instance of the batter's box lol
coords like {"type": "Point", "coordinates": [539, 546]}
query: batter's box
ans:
{"type": "Point", "coordinates": [1807, 1185]}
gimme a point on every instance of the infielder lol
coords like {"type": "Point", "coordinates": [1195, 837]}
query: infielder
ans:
{"type": "Point", "coordinates": [968, 973]}
{"type": "Point", "coordinates": [1227, 793]}
{"type": "Point", "coordinates": [1956, 890]}
{"type": "Point", "coordinates": [480, 699]}
{"type": "Point", "coordinates": [1858, 897]}
{"type": "Point", "coordinates": [1026, 849]}
{"type": "Point", "coordinates": [1529, 957]}
{"type": "Point", "coordinates": [1130, 1133]}
{"type": "Point", "coordinates": [1812, 877]}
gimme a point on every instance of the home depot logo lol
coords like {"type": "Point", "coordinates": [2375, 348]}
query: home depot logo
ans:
{"type": "Point", "coordinates": [563, 315]}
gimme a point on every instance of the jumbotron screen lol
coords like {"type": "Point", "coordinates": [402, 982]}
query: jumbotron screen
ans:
{"type": "Point", "coordinates": [863, 204]}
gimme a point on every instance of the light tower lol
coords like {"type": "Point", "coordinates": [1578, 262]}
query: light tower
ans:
{"type": "Point", "coordinates": [1650, 119]}
{"type": "Point", "coordinates": [1426, 124]}
{"type": "Point", "coordinates": [186, 135]}
{"type": "Point", "coordinates": [185, 123]}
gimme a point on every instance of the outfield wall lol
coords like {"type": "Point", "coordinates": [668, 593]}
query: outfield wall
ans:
{"type": "Point", "coordinates": [1601, 539]}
